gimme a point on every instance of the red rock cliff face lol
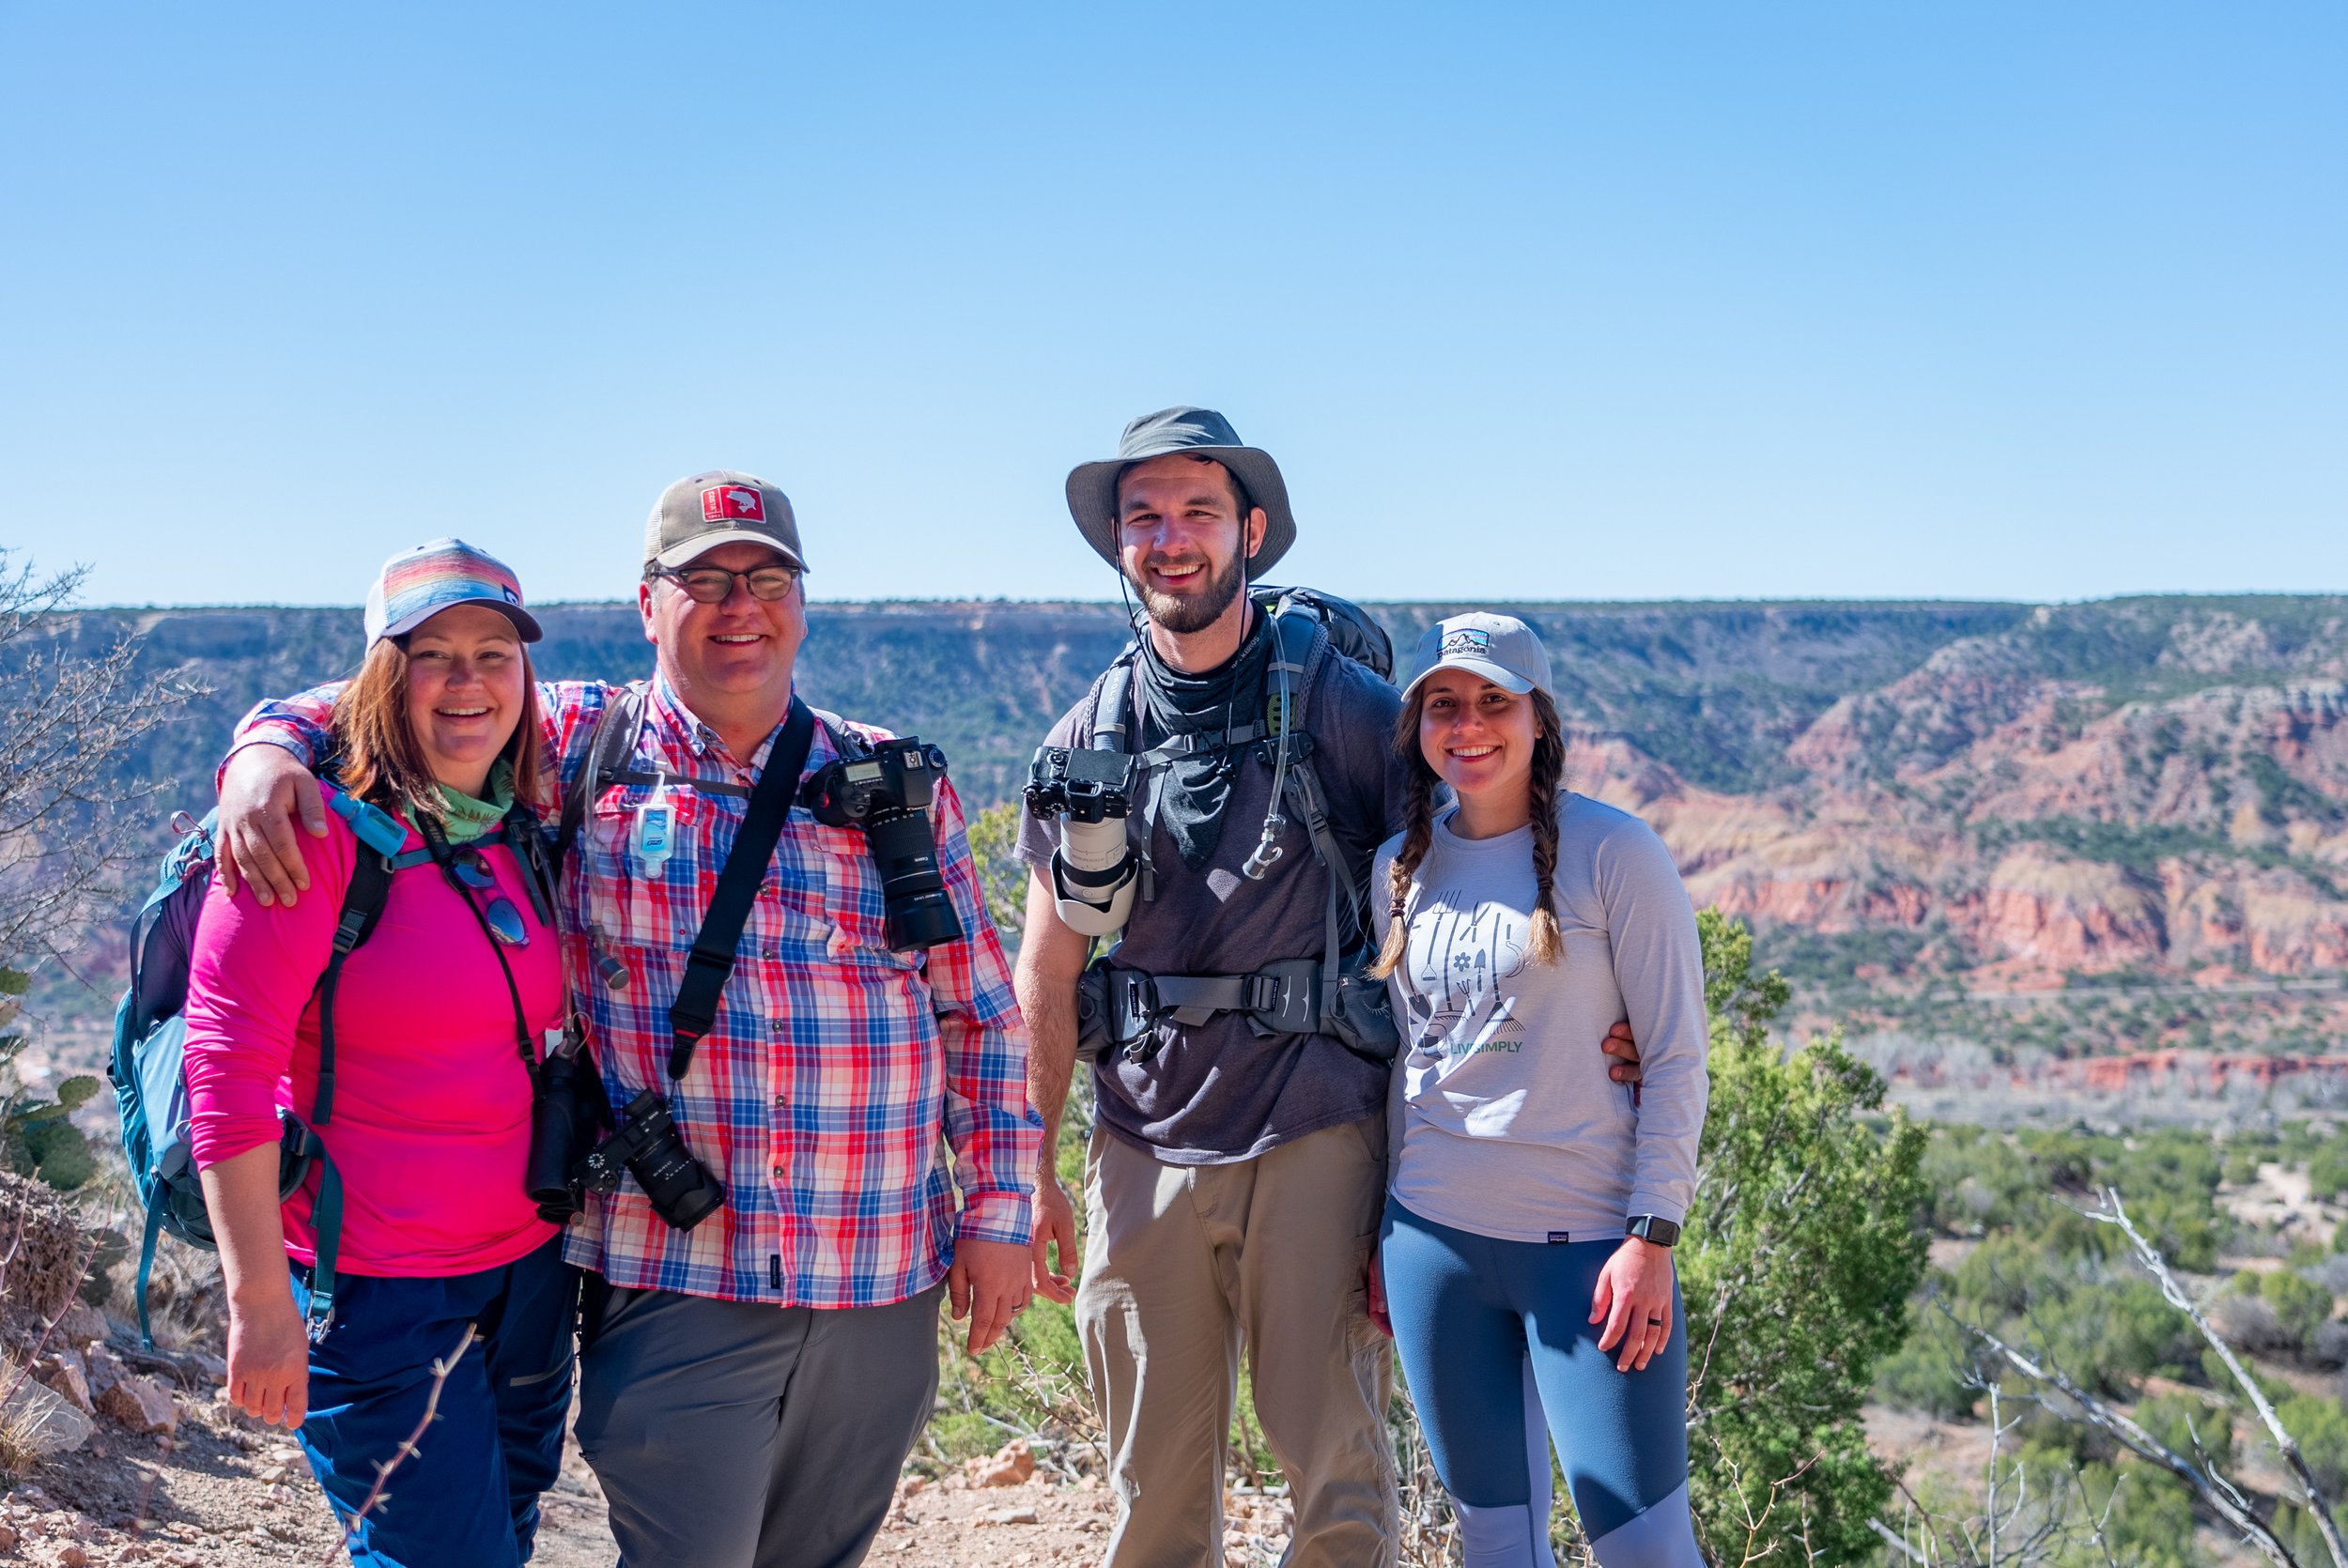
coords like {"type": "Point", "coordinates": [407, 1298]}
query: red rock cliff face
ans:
{"type": "Point", "coordinates": [2190, 816]}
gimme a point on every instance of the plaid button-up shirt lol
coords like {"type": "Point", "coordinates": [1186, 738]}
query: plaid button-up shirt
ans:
{"type": "Point", "coordinates": [839, 1075]}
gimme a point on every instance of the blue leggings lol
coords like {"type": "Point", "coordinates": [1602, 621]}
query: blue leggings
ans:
{"type": "Point", "coordinates": [467, 1496]}
{"type": "Point", "coordinates": [1492, 1333]}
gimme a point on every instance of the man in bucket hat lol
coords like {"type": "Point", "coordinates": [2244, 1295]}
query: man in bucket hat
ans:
{"type": "Point", "coordinates": [1233, 1179]}
{"type": "Point", "coordinates": [1237, 1164]}
{"type": "Point", "coordinates": [755, 1366]}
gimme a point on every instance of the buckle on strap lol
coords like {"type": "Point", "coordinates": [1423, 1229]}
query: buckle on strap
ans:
{"type": "Point", "coordinates": [1284, 998]}
{"type": "Point", "coordinates": [1132, 1004]}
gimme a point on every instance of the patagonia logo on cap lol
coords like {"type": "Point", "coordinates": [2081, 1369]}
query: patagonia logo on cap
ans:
{"type": "Point", "coordinates": [733, 503]}
{"type": "Point", "coordinates": [1467, 639]}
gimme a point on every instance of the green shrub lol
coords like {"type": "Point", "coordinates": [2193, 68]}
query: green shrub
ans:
{"type": "Point", "coordinates": [2328, 1170]}
{"type": "Point", "coordinates": [37, 1136]}
{"type": "Point", "coordinates": [2300, 1305]}
{"type": "Point", "coordinates": [2320, 1426]}
{"type": "Point", "coordinates": [1802, 1249]}
{"type": "Point", "coordinates": [1928, 1373]}
{"type": "Point", "coordinates": [2151, 1523]}
{"type": "Point", "coordinates": [2176, 1420]}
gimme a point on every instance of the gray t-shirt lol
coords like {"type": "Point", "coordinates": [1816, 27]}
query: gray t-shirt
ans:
{"type": "Point", "coordinates": [1505, 1122]}
{"type": "Point", "coordinates": [1217, 1094]}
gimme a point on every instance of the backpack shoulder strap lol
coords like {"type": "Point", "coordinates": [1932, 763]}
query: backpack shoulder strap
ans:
{"type": "Point", "coordinates": [844, 740]}
{"type": "Point", "coordinates": [1300, 649]}
{"type": "Point", "coordinates": [613, 743]}
{"type": "Point", "coordinates": [1112, 716]}
{"type": "Point", "coordinates": [363, 906]}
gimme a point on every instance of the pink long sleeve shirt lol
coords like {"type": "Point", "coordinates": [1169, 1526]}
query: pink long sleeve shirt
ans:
{"type": "Point", "coordinates": [431, 1116]}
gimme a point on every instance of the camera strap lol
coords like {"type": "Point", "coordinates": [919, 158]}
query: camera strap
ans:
{"type": "Point", "coordinates": [694, 1012]}
{"type": "Point", "coordinates": [443, 854]}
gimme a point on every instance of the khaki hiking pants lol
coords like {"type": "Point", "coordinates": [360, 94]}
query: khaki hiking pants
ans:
{"type": "Point", "coordinates": [1185, 1265]}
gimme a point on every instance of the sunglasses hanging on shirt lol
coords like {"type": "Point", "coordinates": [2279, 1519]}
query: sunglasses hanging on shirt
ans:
{"type": "Point", "coordinates": [470, 867]}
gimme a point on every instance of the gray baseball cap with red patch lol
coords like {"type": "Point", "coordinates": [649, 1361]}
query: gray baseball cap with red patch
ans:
{"type": "Point", "coordinates": [720, 507]}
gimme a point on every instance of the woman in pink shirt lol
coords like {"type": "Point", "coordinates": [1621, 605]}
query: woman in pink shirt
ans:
{"type": "Point", "coordinates": [334, 1328]}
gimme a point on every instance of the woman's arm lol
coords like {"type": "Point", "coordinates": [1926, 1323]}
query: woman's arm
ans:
{"type": "Point", "coordinates": [268, 1350]}
{"type": "Point", "coordinates": [248, 983]}
{"type": "Point", "coordinates": [1659, 968]}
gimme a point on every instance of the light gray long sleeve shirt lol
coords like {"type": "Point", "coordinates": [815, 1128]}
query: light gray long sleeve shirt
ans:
{"type": "Point", "coordinates": [1506, 1123]}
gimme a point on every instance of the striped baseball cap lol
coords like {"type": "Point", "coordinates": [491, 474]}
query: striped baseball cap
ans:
{"type": "Point", "coordinates": [416, 585]}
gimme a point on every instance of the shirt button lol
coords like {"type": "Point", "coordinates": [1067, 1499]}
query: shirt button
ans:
{"type": "Point", "coordinates": [777, 1172]}
{"type": "Point", "coordinates": [770, 952]}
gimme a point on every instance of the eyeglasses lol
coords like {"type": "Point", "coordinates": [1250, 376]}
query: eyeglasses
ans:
{"type": "Point", "coordinates": [504, 920]}
{"type": "Point", "coordinates": [713, 585]}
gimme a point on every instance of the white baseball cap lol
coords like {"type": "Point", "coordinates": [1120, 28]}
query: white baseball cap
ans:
{"type": "Point", "coordinates": [1500, 648]}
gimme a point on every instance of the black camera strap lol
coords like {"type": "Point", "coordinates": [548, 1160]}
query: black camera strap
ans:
{"type": "Point", "coordinates": [694, 1012]}
{"type": "Point", "coordinates": [445, 856]}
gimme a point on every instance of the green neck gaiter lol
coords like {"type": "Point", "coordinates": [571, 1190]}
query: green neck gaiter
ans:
{"type": "Point", "coordinates": [466, 819]}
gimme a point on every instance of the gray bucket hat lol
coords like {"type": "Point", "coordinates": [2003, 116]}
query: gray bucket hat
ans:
{"type": "Point", "coordinates": [1199, 433]}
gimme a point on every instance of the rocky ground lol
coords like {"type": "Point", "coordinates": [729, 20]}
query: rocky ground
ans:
{"type": "Point", "coordinates": [219, 1492]}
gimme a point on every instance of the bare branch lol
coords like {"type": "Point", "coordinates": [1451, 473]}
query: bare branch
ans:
{"type": "Point", "coordinates": [1896, 1541]}
{"type": "Point", "coordinates": [2218, 1500]}
{"type": "Point", "coordinates": [441, 1369]}
{"type": "Point", "coordinates": [2114, 1213]}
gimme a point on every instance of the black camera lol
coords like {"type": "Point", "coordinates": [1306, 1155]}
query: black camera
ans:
{"type": "Point", "coordinates": [1089, 786]}
{"type": "Point", "coordinates": [647, 1146]}
{"type": "Point", "coordinates": [887, 793]}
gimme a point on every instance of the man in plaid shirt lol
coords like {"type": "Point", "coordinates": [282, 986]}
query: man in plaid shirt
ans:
{"type": "Point", "coordinates": [751, 1387]}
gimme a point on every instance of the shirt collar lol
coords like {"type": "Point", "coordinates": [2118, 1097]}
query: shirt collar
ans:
{"type": "Point", "coordinates": [703, 742]}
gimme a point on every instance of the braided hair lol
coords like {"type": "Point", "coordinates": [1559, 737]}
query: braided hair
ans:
{"type": "Point", "coordinates": [1546, 942]}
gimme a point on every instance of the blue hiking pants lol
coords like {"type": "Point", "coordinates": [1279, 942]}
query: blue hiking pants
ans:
{"type": "Point", "coordinates": [1492, 1333]}
{"type": "Point", "coordinates": [468, 1497]}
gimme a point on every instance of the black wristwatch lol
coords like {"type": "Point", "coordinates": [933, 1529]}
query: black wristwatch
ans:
{"type": "Point", "coordinates": [1654, 1228]}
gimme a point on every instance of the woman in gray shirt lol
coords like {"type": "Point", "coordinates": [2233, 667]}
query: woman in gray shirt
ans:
{"type": "Point", "coordinates": [1525, 1251]}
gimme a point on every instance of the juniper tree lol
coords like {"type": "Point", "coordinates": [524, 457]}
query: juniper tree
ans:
{"type": "Point", "coordinates": [1805, 1244]}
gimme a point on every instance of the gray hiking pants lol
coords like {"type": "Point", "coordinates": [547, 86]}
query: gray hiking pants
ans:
{"type": "Point", "coordinates": [734, 1434]}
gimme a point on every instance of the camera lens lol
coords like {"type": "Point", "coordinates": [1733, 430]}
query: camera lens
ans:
{"type": "Point", "coordinates": [682, 1192]}
{"type": "Point", "coordinates": [904, 852]}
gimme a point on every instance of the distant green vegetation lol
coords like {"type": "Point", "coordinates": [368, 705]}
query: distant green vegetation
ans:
{"type": "Point", "coordinates": [2039, 1274]}
{"type": "Point", "coordinates": [2141, 847]}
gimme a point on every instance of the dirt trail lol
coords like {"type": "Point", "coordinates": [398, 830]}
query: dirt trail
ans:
{"type": "Point", "coordinates": [223, 1492]}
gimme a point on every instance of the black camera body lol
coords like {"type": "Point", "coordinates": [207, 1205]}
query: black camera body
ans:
{"type": "Point", "coordinates": [1089, 786]}
{"type": "Point", "coordinates": [647, 1147]}
{"type": "Point", "coordinates": [886, 792]}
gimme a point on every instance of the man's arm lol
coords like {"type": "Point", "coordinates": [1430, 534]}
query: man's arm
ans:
{"type": "Point", "coordinates": [265, 781]}
{"type": "Point", "coordinates": [264, 784]}
{"type": "Point", "coordinates": [989, 1124]}
{"type": "Point", "coordinates": [1051, 959]}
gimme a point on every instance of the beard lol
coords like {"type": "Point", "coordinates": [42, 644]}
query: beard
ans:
{"type": "Point", "coordinates": [1185, 613]}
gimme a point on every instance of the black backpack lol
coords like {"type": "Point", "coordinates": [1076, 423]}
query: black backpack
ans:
{"type": "Point", "coordinates": [1308, 628]}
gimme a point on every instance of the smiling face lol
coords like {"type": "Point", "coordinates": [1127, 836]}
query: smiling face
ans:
{"type": "Point", "coordinates": [734, 654]}
{"type": "Point", "coordinates": [1179, 532]}
{"type": "Point", "coordinates": [466, 682]}
{"type": "Point", "coordinates": [1478, 737]}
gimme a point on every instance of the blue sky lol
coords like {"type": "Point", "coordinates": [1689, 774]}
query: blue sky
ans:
{"type": "Point", "coordinates": [1569, 300]}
